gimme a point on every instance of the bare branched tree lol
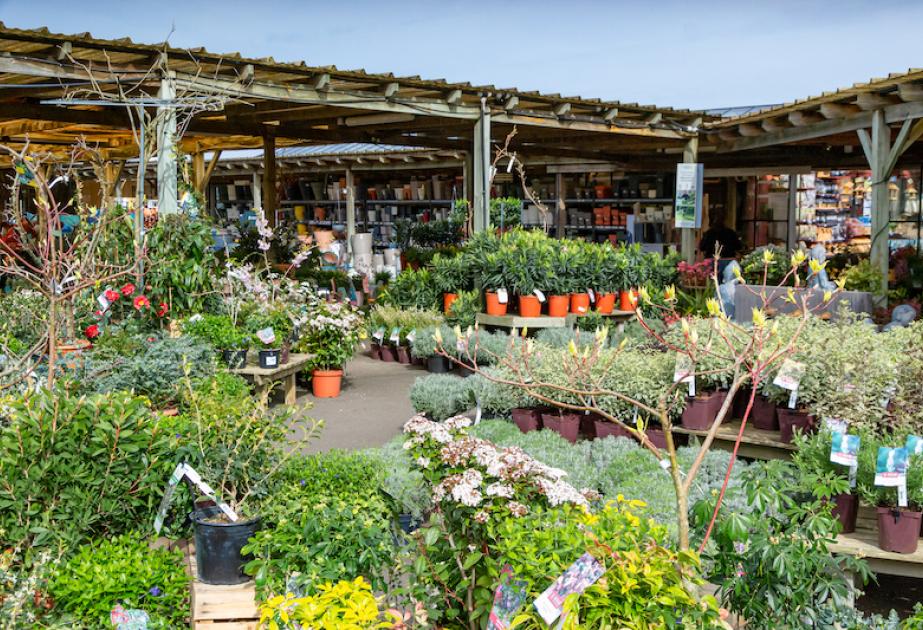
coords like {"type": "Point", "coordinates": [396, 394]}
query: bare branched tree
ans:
{"type": "Point", "coordinates": [513, 161]}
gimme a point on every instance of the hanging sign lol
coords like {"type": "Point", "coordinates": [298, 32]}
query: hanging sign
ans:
{"type": "Point", "coordinates": [789, 377]}
{"type": "Point", "coordinates": [688, 206]}
{"type": "Point", "coordinates": [891, 471]}
{"type": "Point", "coordinates": [576, 579]}
{"type": "Point", "coordinates": [508, 597]}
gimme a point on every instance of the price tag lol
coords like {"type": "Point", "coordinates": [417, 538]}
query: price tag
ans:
{"type": "Point", "coordinates": [539, 295]}
{"type": "Point", "coordinates": [692, 387]}
{"type": "Point", "coordinates": [502, 296]}
{"type": "Point", "coordinates": [902, 493]}
{"type": "Point", "coordinates": [395, 334]}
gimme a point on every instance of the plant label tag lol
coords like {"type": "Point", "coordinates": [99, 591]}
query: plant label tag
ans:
{"type": "Point", "coordinates": [665, 464]}
{"type": "Point", "coordinates": [793, 399]}
{"type": "Point", "coordinates": [790, 375]}
{"type": "Point", "coordinates": [502, 296]}
{"type": "Point", "coordinates": [104, 302]}
{"type": "Point", "coordinates": [460, 345]}
{"type": "Point", "coordinates": [844, 449]}
{"type": "Point", "coordinates": [175, 477]}
{"type": "Point", "coordinates": [270, 360]}
{"type": "Point", "coordinates": [592, 295]}
{"type": "Point", "coordinates": [266, 335]}
{"type": "Point", "coordinates": [577, 578]}
{"type": "Point", "coordinates": [888, 393]}
{"type": "Point", "coordinates": [539, 295]}
{"type": "Point", "coordinates": [581, 309]}
{"type": "Point", "coordinates": [508, 598]}
{"type": "Point", "coordinates": [852, 475]}
{"type": "Point", "coordinates": [395, 334]}
{"type": "Point", "coordinates": [891, 467]}
{"type": "Point", "coordinates": [684, 369]}
{"type": "Point", "coordinates": [412, 335]}
{"type": "Point", "coordinates": [477, 412]}
{"type": "Point", "coordinates": [914, 445]}
{"type": "Point", "coordinates": [379, 334]}
{"type": "Point", "coordinates": [692, 387]}
{"type": "Point", "coordinates": [902, 493]}
{"type": "Point", "coordinates": [835, 425]}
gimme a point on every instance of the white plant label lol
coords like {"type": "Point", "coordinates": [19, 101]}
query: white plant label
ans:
{"type": "Point", "coordinates": [270, 360]}
{"type": "Point", "coordinates": [790, 375]}
{"type": "Point", "coordinates": [267, 336]}
{"type": "Point", "coordinates": [412, 335]}
{"type": "Point", "coordinates": [793, 399]}
{"type": "Point", "coordinates": [379, 335]}
{"type": "Point", "coordinates": [835, 425]}
{"type": "Point", "coordinates": [502, 296]}
{"type": "Point", "coordinates": [844, 449]}
{"type": "Point", "coordinates": [395, 334]}
{"type": "Point", "coordinates": [104, 302]}
{"type": "Point", "coordinates": [692, 387]}
{"type": "Point", "coordinates": [592, 295]}
{"type": "Point", "coordinates": [665, 464]}
{"type": "Point", "coordinates": [188, 472]}
{"type": "Point", "coordinates": [891, 471]}
{"type": "Point", "coordinates": [902, 493]}
{"type": "Point", "coordinates": [541, 296]}
{"type": "Point", "coordinates": [582, 574]}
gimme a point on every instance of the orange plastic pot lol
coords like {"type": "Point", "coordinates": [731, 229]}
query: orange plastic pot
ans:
{"type": "Point", "coordinates": [529, 306]}
{"type": "Point", "coordinates": [447, 299]}
{"type": "Point", "coordinates": [558, 305]}
{"type": "Point", "coordinates": [493, 304]}
{"type": "Point", "coordinates": [580, 303]}
{"type": "Point", "coordinates": [326, 383]}
{"type": "Point", "coordinates": [605, 302]}
{"type": "Point", "coordinates": [628, 300]}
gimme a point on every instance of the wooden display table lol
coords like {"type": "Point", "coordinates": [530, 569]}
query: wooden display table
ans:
{"type": "Point", "coordinates": [755, 443]}
{"type": "Point", "coordinates": [516, 321]}
{"type": "Point", "coordinates": [863, 543]}
{"type": "Point", "coordinates": [264, 379]}
{"type": "Point", "coordinates": [219, 607]}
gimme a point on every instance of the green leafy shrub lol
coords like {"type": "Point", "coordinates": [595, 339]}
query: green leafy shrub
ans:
{"type": "Point", "coordinates": [450, 274]}
{"type": "Point", "coordinates": [333, 473]}
{"type": "Point", "coordinates": [122, 570]}
{"type": "Point", "coordinates": [24, 316]}
{"type": "Point", "coordinates": [79, 468]}
{"type": "Point", "coordinates": [440, 396]}
{"type": "Point", "coordinates": [465, 309]}
{"type": "Point", "coordinates": [219, 331]}
{"type": "Point", "coordinates": [412, 289]}
{"type": "Point", "coordinates": [186, 266]}
{"type": "Point", "coordinates": [403, 486]}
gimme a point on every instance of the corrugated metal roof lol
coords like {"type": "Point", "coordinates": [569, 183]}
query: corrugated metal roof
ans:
{"type": "Point", "coordinates": [739, 110]}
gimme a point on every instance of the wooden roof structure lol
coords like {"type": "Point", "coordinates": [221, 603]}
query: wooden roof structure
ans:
{"type": "Point", "coordinates": [301, 104]}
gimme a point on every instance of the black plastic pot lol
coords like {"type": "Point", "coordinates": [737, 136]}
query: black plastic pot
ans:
{"type": "Point", "coordinates": [438, 364]}
{"type": "Point", "coordinates": [218, 545]}
{"type": "Point", "coordinates": [234, 359]}
{"type": "Point", "coordinates": [269, 359]}
{"type": "Point", "coordinates": [407, 522]}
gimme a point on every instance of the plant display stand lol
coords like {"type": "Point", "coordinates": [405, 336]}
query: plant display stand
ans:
{"type": "Point", "coordinates": [264, 379]}
{"type": "Point", "coordinates": [219, 607]}
{"type": "Point", "coordinates": [863, 543]}
{"type": "Point", "coordinates": [515, 321]}
{"type": "Point", "coordinates": [755, 443]}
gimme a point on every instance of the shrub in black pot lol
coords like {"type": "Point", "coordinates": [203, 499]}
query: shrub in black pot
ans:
{"type": "Point", "coordinates": [218, 545]}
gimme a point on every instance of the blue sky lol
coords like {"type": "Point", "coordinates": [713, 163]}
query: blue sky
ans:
{"type": "Point", "coordinates": [669, 53]}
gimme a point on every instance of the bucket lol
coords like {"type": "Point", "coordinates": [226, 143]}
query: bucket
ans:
{"type": "Point", "coordinates": [218, 545]}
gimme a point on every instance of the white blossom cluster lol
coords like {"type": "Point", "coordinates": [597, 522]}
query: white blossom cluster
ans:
{"type": "Point", "coordinates": [489, 474]}
{"type": "Point", "coordinates": [265, 232]}
{"type": "Point", "coordinates": [250, 281]}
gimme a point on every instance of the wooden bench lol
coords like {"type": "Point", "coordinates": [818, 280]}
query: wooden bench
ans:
{"type": "Point", "coordinates": [754, 443]}
{"type": "Point", "coordinates": [264, 379]}
{"type": "Point", "coordinates": [863, 543]}
{"type": "Point", "coordinates": [217, 607]}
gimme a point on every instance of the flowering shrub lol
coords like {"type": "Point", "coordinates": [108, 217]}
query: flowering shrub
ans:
{"type": "Point", "coordinates": [697, 274]}
{"type": "Point", "coordinates": [125, 308]}
{"type": "Point", "coordinates": [342, 605]}
{"type": "Point", "coordinates": [331, 332]}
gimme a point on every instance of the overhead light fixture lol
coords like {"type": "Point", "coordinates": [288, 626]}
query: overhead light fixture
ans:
{"type": "Point", "coordinates": [377, 119]}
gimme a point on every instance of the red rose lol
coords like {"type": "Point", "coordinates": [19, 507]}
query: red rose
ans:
{"type": "Point", "coordinates": [142, 302]}
{"type": "Point", "coordinates": [128, 289]}
{"type": "Point", "coordinates": [92, 332]}
{"type": "Point", "coordinates": [163, 310]}
{"type": "Point", "coordinates": [112, 295]}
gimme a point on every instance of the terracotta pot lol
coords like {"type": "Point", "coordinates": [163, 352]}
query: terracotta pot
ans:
{"type": "Point", "coordinates": [388, 355]}
{"type": "Point", "coordinates": [494, 307]}
{"type": "Point", "coordinates": [447, 299]}
{"type": "Point", "coordinates": [558, 305]}
{"type": "Point", "coordinates": [529, 306]}
{"type": "Point", "coordinates": [375, 350]}
{"type": "Point", "coordinates": [846, 509]}
{"type": "Point", "coordinates": [763, 414]}
{"type": "Point", "coordinates": [898, 529]}
{"type": "Point", "coordinates": [605, 302]}
{"type": "Point", "coordinates": [527, 419]}
{"type": "Point", "coordinates": [579, 303]}
{"type": "Point", "coordinates": [326, 383]}
{"type": "Point", "coordinates": [628, 300]}
{"type": "Point", "coordinates": [438, 364]}
{"type": "Point", "coordinates": [700, 411]}
{"type": "Point", "coordinates": [566, 425]}
{"type": "Point", "coordinates": [791, 419]}
{"type": "Point", "coordinates": [403, 355]}
{"type": "Point", "coordinates": [604, 429]}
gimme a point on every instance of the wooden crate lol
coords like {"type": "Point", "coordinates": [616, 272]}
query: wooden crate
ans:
{"type": "Point", "coordinates": [220, 607]}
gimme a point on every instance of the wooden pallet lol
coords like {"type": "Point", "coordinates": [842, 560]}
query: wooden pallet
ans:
{"type": "Point", "coordinates": [755, 443]}
{"type": "Point", "coordinates": [220, 607]}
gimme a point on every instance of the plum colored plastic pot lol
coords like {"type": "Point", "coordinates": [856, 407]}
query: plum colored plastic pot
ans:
{"type": "Point", "coordinates": [566, 425]}
{"type": "Point", "coordinates": [700, 411]}
{"type": "Point", "coordinates": [529, 306]}
{"type": "Point", "coordinates": [763, 414]}
{"type": "Point", "coordinates": [403, 355]}
{"type": "Point", "coordinates": [387, 353]}
{"type": "Point", "coordinates": [605, 429]}
{"type": "Point", "coordinates": [846, 509]}
{"type": "Point", "coordinates": [579, 303]}
{"type": "Point", "coordinates": [326, 383]}
{"type": "Point", "coordinates": [792, 419]}
{"type": "Point", "coordinates": [218, 544]}
{"type": "Point", "coordinates": [494, 307]}
{"type": "Point", "coordinates": [605, 303]}
{"type": "Point", "coordinates": [527, 419]}
{"type": "Point", "coordinates": [375, 351]}
{"type": "Point", "coordinates": [558, 305]}
{"type": "Point", "coordinates": [898, 529]}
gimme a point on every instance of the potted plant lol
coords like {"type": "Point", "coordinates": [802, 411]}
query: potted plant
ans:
{"type": "Point", "coordinates": [451, 274]}
{"type": "Point", "coordinates": [527, 419]}
{"type": "Point", "coordinates": [633, 272]}
{"type": "Point", "coordinates": [580, 276]}
{"type": "Point", "coordinates": [558, 283]}
{"type": "Point", "coordinates": [233, 444]}
{"type": "Point", "coordinates": [223, 335]}
{"type": "Point", "coordinates": [812, 459]}
{"type": "Point", "coordinates": [564, 423]}
{"type": "Point", "coordinates": [331, 335]}
{"type": "Point", "coordinates": [273, 327]}
{"type": "Point", "coordinates": [493, 280]}
{"type": "Point", "coordinates": [609, 280]}
{"type": "Point", "coordinates": [424, 347]}
{"type": "Point", "coordinates": [898, 527]}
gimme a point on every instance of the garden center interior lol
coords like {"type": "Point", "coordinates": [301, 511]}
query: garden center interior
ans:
{"type": "Point", "coordinates": [409, 353]}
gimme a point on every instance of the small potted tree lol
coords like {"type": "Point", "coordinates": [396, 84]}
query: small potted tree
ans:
{"type": "Point", "coordinates": [898, 526]}
{"type": "Point", "coordinates": [558, 283]}
{"type": "Point", "coordinates": [581, 276]}
{"type": "Point", "coordinates": [494, 282]}
{"type": "Point", "coordinates": [331, 335]}
{"type": "Point", "coordinates": [450, 275]}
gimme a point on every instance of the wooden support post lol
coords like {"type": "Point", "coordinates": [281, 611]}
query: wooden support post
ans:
{"type": "Point", "coordinates": [350, 209]}
{"type": "Point", "coordinates": [257, 190]}
{"type": "Point", "coordinates": [166, 151]}
{"type": "Point", "coordinates": [269, 178]}
{"type": "Point", "coordinates": [687, 235]}
{"type": "Point", "coordinates": [481, 162]}
{"type": "Point", "coordinates": [211, 169]}
{"type": "Point", "coordinates": [198, 171]}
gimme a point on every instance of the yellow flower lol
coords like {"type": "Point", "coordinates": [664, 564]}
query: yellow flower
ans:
{"type": "Point", "coordinates": [714, 307]}
{"type": "Point", "coordinates": [759, 318]}
{"type": "Point", "coordinates": [816, 266]}
{"type": "Point", "coordinates": [670, 293]}
{"type": "Point", "coordinates": [572, 348]}
{"type": "Point", "coordinates": [768, 256]}
{"type": "Point", "coordinates": [437, 335]}
{"type": "Point", "coordinates": [797, 258]}
{"type": "Point", "coordinates": [644, 295]}
{"type": "Point", "coordinates": [828, 295]}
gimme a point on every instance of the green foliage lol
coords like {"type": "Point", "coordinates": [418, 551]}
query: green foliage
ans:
{"type": "Point", "coordinates": [23, 316]}
{"type": "Point", "coordinates": [333, 473]}
{"type": "Point", "coordinates": [755, 269]}
{"type": "Point", "coordinates": [122, 570]}
{"type": "Point", "coordinates": [277, 316]}
{"type": "Point", "coordinates": [773, 565]}
{"type": "Point", "coordinates": [406, 319]}
{"type": "Point", "coordinates": [412, 289]}
{"type": "Point", "coordinates": [219, 331]}
{"type": "Point", "coordinates": [155, 370]}
{"type": "Point", "coordinates": [184, 267]}
{"type": "Point", "coordinates": [465, 309]}
{"type": "Point", "coordinates": [497, 399]}
{"type": "Point", "coordinates": [403, 487]}
{"type": "Point", "coordinates": [505, 211]}
{"type": "Point", "coordinates": [451, 274]}
{"type": "Point", "coordinates": [862, 277]}
{"type": "Point", "coordinates": [441, 396]}
{"type": "Point", "coordinates": [78, 468]}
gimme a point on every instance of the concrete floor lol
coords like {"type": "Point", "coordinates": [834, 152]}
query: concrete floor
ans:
{"type": "Point", "coordinates": [371, 409]}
